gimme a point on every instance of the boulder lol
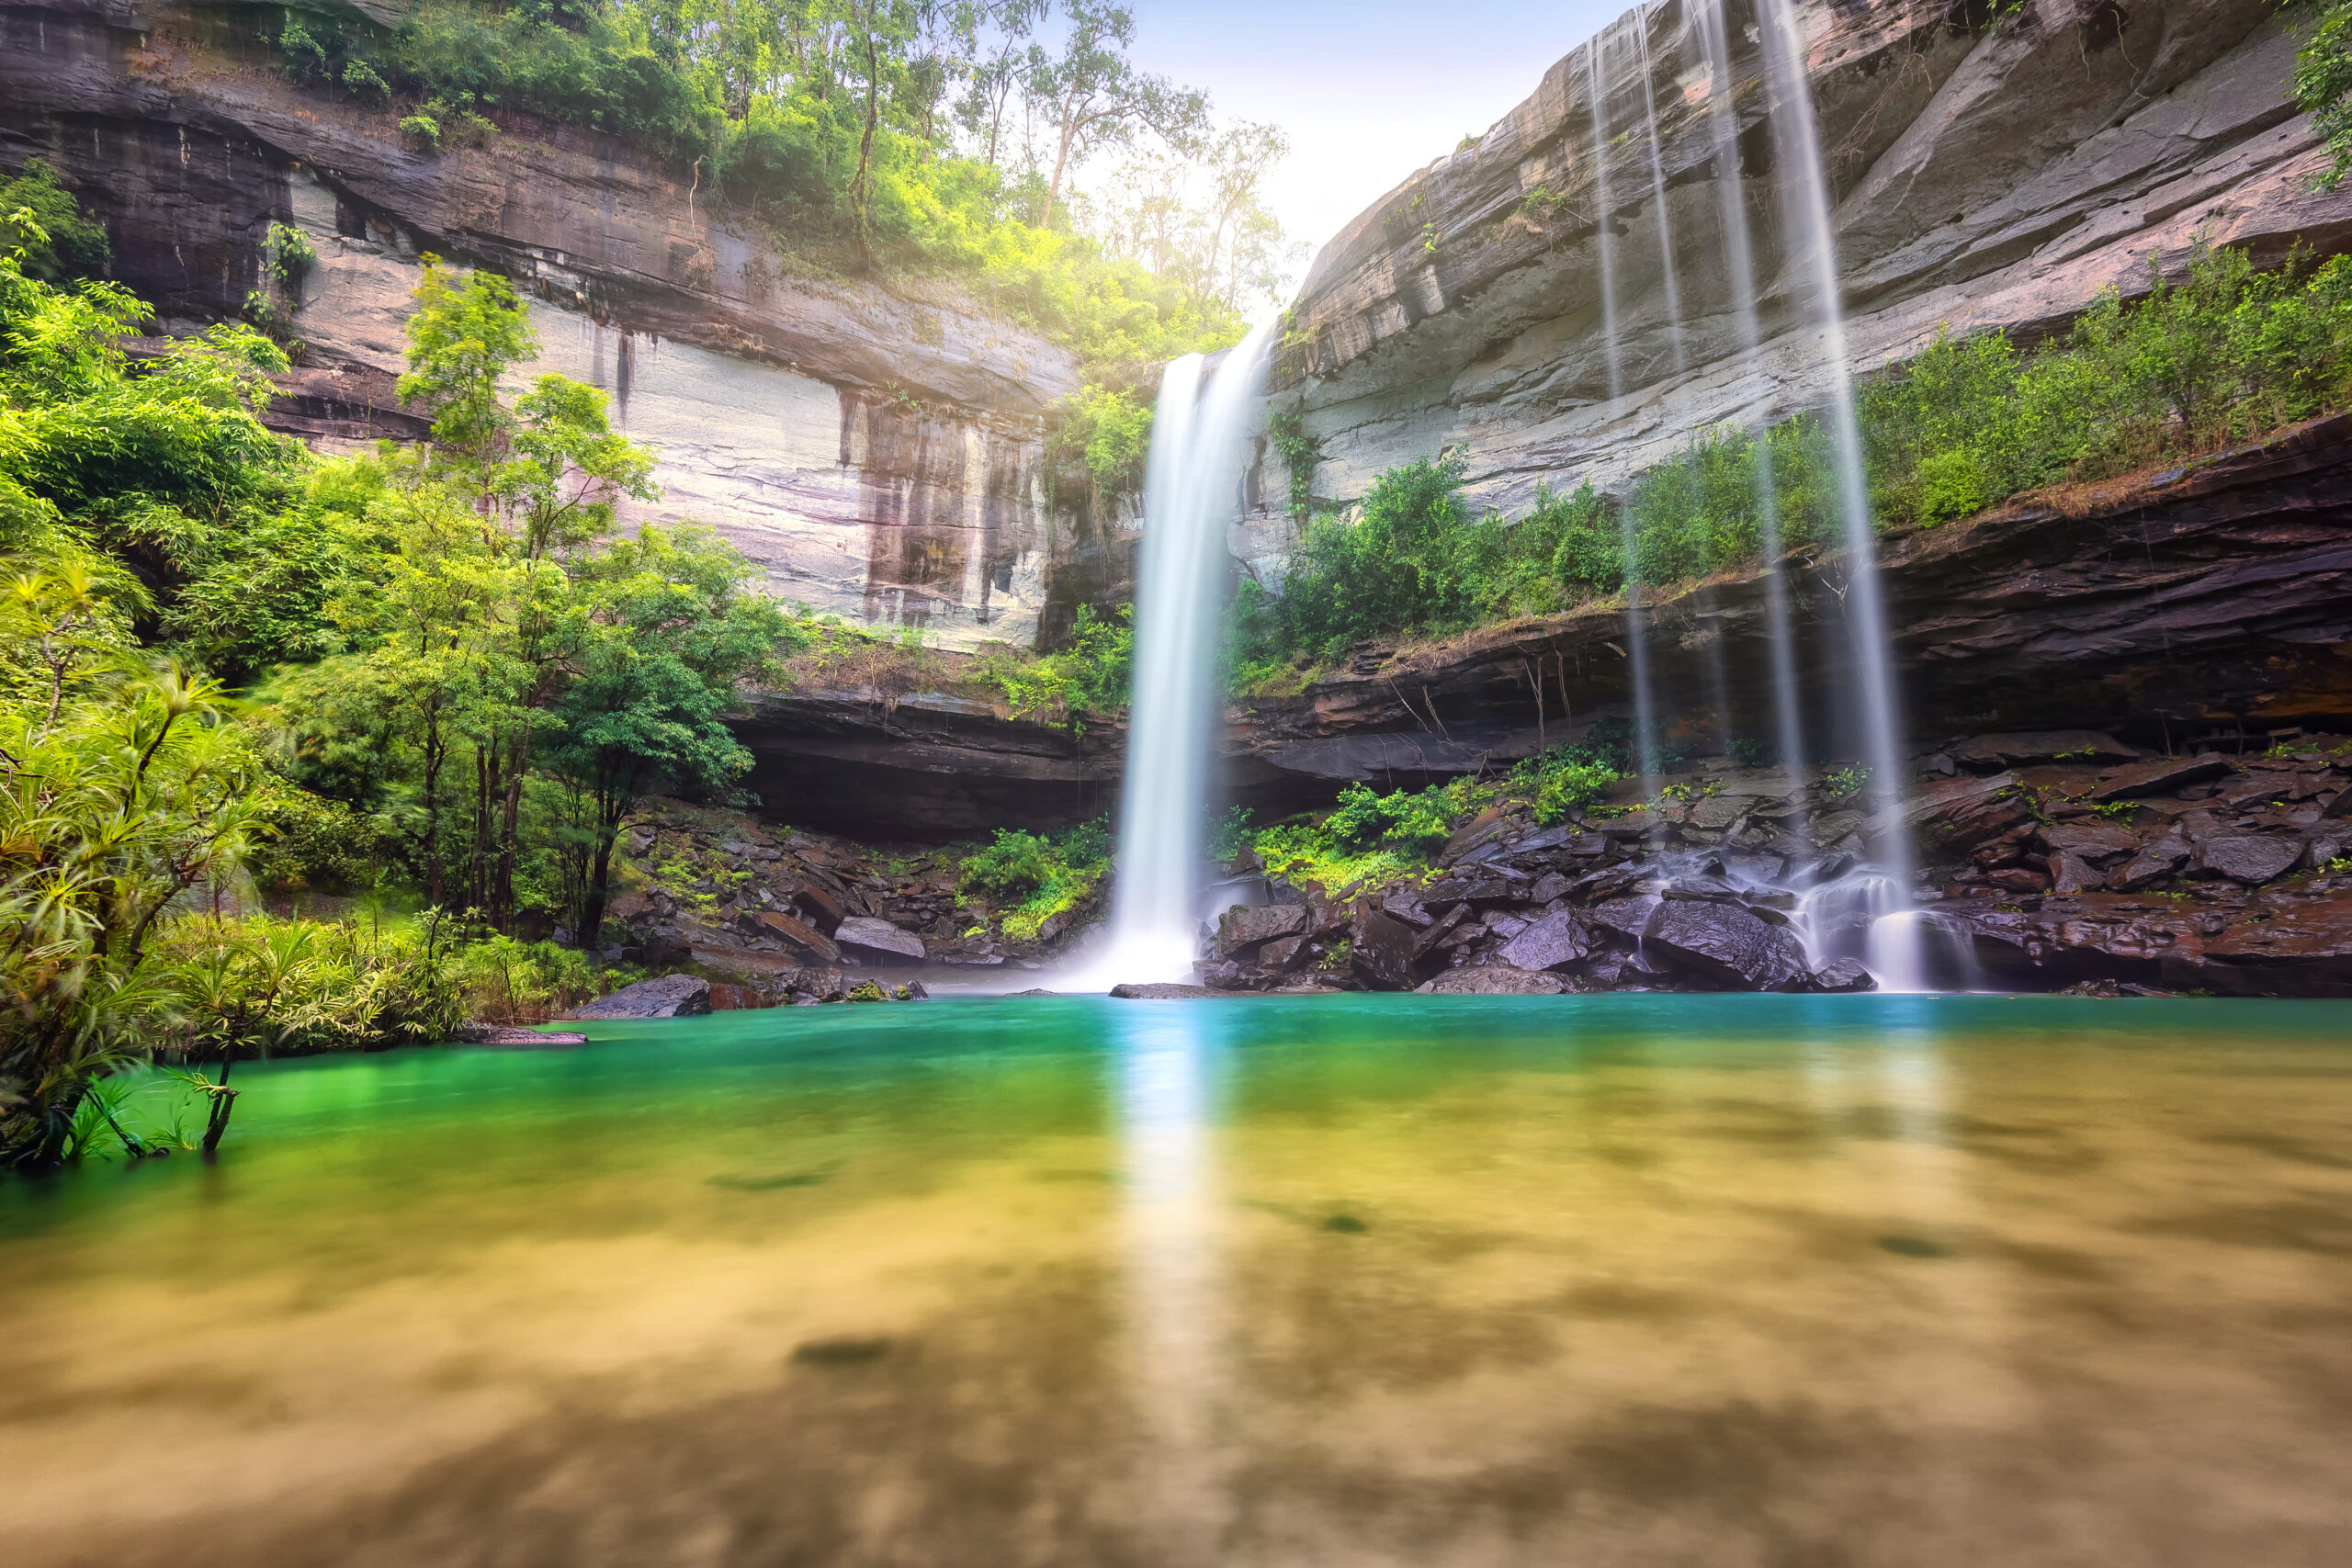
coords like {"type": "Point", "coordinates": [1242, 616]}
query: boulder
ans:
{"type": "Point", "coordinates": [2249, 858]}
{"type": "Point", "coordinates": [2339, 808]}
{"type": "Point", "coordinates": [1548, 886]}
{"type": "Point", "coordinates": [819, 984]}
{"type": "Point", "coordinates": [1385, 953]}
{"type": "Point", "coordinates": [878, 941]}
{"type": "Point", "coordinates": [1493, 980]}
{"type": "Point", "coordinates": [1245, 927]}
{"type": "Point", "coordinates": [1443, 931]}
{"type": "Point", "coordinates": [2153, 862]}
{"type": "Point", "coordinates": [801, 934]}
{"type": "Point", "coordinates": [1720, 811]}
{"type": "Point", "coordinates": [672, 996]}
{"type": "Point", "coordinates": [2102, 844]}
{"type": "Point", "coordinates": [1729, 945]}
{"type": "Point", "coordinates": [821, 905]}
{"type": "Point", "coordinates": [2162, 776]}
{"type": "Point", "coordinates": [1628, 917]}
{"type": "Point", "coordinates": [1282, 953]}
{"type": "Point", "coordinates": [2070, 874]}
{"type": "Point", "coordinates": [1550, 942]}
{"type": "Point", "coordinates": [1841, 976]}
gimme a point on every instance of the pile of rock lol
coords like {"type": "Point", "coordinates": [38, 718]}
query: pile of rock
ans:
{"type": "Point", "coordinates": [2052, 859]}
{"type": "Point", "coordinates": [769, 907]}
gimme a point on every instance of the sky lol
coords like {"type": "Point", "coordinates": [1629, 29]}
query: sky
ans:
{"type": "Point", "coordinates": [1368, 91]}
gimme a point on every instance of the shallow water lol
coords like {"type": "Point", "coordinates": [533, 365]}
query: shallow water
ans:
{"type": "Point", "coordinates": [1411, 1280]}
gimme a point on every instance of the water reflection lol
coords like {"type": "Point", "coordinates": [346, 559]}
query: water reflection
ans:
{"type": "Point", "coordinates": [1168, 1060]}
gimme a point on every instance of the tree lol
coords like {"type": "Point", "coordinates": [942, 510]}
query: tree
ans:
{"type": "Point", "coordinates": [41, 221]}
{"type": "Point", "coordinates": [461, 338]}
{"type": "Point", "coordinates": [991, 77]}
{"type": "Point", "coordinates": [1092, 95]}
{"type": "Point", "coordinates": [673, 625]}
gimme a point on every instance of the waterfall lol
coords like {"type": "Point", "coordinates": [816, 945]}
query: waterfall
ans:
{"type": "Point", "coordinates": [1806, 193]}
{"type": "Point", "coordinates": [1787, 717]}
{"type": "Point", "coordinates": [1657, 194]}
{"type": "Point", "coordinates": [1637, 647]}
{"type": "Point", "coordinates": [1191, 482]}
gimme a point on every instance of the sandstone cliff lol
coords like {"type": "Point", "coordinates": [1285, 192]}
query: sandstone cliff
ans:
{"type": "Point", "coordinates": [878, 453]}
{"type": "Point", "coordinates": [1985, 173]}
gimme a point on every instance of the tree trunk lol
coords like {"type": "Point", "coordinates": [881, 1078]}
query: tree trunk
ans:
{"type": "Point", "coordinates": [436, 891]}
{"type": "Point", "coordinates": [1061, 161]}
{"type": "Point", "coordinates": [224, 1100]}
{"type": "Point", "coordinates": [503, 893]}
{"type": "Point", "coordinates": [864, 185]}
{"type": "Point", "coordinates": [600, 870]}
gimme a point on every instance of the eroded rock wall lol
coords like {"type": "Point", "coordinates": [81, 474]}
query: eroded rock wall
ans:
{"type": "Point", "coordinates": [1982, 176]}
{"type": "Point", "coordinates": [879, 454]}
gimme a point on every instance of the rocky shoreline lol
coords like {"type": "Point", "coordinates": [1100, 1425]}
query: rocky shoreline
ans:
{"type": "Point", "coordinates": [2079, 862]}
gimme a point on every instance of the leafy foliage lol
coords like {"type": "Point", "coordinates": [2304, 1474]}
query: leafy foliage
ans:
{"type": "Point", "coordinates": [891, 134]}
{"type": "Point", "coordinates": [54, 241]}
{"type": "Point", "coordinates": [1369, 840]}
{"type": "Point", "coordinates": [1029, 878]}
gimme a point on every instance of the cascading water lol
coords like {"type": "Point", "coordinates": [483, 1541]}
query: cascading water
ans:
{"type": "Point", "coordinates": [1657, 194]}
{"type": "Point", "coordinates": [1787, 720]}
{"type": "Point", "coordinates": [1191, 481]}
{"type": "Point", "coordinates": [1636, 640]}
{"type": "Point", "coordinates": [1806, 195]}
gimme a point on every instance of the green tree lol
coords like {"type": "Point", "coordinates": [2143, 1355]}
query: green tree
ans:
{"type": "Point", "coordinates": [39, 218]}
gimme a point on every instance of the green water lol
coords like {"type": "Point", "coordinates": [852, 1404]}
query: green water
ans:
{"type": "Point", "coordinates": [1637, 1280]}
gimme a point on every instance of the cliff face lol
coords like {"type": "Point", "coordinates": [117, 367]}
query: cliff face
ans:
{"type": "Point", "coordinates": [878, 454]}
{"type": "Point", "coordinates": [1981, 176]}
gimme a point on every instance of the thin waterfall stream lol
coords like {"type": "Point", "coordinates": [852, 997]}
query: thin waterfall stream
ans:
{"type": "Point", "coordinates": [1896, 953]}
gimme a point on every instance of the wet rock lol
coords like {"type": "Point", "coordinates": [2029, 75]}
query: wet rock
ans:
{"type": "Point", "coordinates": [878, 941]}
{"type": "Point", "coordinates": [814, 985]}
{"type": "Point", "coordinates": [1989, 753]}
{"type": "Point", "coordinates": [672, 996]}
{"type": "Point", "coordinates": [1386, 956]}
{"type": "Point", "coordinates": [1499, 885]}
{"type": "Point", "coordinates": [1720, 811]}
{"type": "Point", "coordinates": [1550, 943]}
{"type": "Point", "coordinates": [2339, 808]}
{"type": "Point", "coordinates": [1817, 870]}
{"type": "Point", "coordinates": [823, 907]}
{"type": "Point", "coordinates": [2163, 776]}
{"type": "Point", "coordinates": [1728, 945]}
{"type": "Point", "coordinates": [1283, 953]}
{"type": "Point", "coordinates": [1628, 917]}
{"type": "Point", "coordinates": [801, 934]}
{"type": "Point", "coordinates": [1493, 980]}
{"type": "Point", "coordinates": [2249, 858]}
{"type": "Point", "coordinates": [1481, 830]}
{"type": "Point", "coordinates": [1549, 887]}
{"type": "Point", "coordinates": [1245, 927]}
{"type": "Point", "coordinates": [2102, 844]}
{"type": "Point", "coordinates": [1841, 976]}
{"type": "Point", "coordinates": [2155, 862]}
{"type": "Point", "coordinates": [1443, 931]}
{"type": "Point", "coordinates": [2019, 879]}
{"type": "Point", "coordinates": [2069, 874]}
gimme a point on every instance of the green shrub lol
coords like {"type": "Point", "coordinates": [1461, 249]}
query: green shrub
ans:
{"type": "Point", "coordinates": [1369, 840]}
{"type": "Point", "coordinates": [59, 242]}
{"type": "Point", "coordinates": [1110, 431]}
{"type": "Point", "coordinates": [1090, 676]}
{"type": "Point", "coordinates": [1564, 780]}
{"type": "Point", "coordinates": [422, 130]}
{"type": "Point", "coordinates": [1031, 877]}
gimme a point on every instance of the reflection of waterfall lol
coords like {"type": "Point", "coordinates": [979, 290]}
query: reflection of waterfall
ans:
{"type": "Point", "coordinates": [1191, 485]}
{"type": "Point", "coordinates": [1176, 1319]}
{"type": "Point", "coordinates": [1806, 193]}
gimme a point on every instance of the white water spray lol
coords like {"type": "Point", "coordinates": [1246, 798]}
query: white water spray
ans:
{"type": "Point", "coordinates": [1787, 720]}
{"type": "Point", "coordinates": [1191, 483]}
{"type": "Point", "coordinates": [1636, 642]}
{"type": "Point", "coordinates": [1657, 194]}
{"type": "Point", "coordinates": [1807, 193]}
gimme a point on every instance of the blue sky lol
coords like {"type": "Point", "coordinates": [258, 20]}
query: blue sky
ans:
{"type": "Point", "coordinates": [1369, 91]}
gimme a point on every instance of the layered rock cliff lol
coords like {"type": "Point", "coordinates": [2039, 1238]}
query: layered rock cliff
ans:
{"type": "Point", "coordinates": [1986, 171]}
{"type": "Point", "coordinates": [877, 452]}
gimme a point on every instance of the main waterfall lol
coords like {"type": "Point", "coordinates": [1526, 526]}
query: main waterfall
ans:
{"type": "Point", "coordinates": [1192, 490]}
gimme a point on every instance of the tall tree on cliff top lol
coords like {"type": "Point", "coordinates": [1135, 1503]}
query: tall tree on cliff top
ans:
{"type": "Point", "coordinates": [1092, 95]}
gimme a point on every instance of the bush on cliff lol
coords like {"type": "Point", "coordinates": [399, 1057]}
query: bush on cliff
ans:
{"type": "Point", "coordinates": [1026, 879]}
